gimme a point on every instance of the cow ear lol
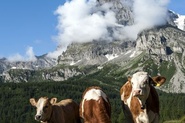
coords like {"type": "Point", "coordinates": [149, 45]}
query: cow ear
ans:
{"type": "Point", "coordinates": [53, 100]}
{"type": "Point", "coordinates": [129, 79]}
{"type": "Point", "coordinates": [33, 102]}
{"type": "Point", "coordinates": [158, 80]}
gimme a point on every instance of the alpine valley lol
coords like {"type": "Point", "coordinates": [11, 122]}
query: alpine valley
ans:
{"type": "Point", "coordinates": [128, 43]}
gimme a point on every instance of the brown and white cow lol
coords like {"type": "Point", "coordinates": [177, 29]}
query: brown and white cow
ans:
{"type": "Point", "coordinates": [49, 111]}
{"type": "Point", "coordinates": [95, 106]}
{"type": "Point", "coordinates": [140, 99]}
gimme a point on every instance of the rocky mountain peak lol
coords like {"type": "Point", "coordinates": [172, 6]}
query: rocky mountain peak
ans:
{"type": "Point", "coordinates": [166, 44]}
{"type": "Point", "coordinates": [156, 48]}
{"type": "Point", "coordinates": [123, 10]}
{"type": "Point", "coordinates": [93, 52]}
{"type": "Point", "coordinates": [39, 63]}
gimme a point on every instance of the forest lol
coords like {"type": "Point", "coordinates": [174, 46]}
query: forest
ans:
{"type": "Point", "coordinates": [15, 106]}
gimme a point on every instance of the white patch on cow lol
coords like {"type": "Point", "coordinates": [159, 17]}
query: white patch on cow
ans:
{"type": "Point", "coordinates": [129, 100]}
{"type": "Point", "coordinates": [138, 79]}
{"type": "Point", "coordinates": [139, 84]}
{"type": "Point", "coordinates": [122, 96]}
{"type": "Point", "coordinates": [40, 105]}
{"type": "Point", "coordinates": [143, 117]}
{"type": "Point", "coordinates": [93, 94]}
{"type": "Point", "coordinates": [139, 101]}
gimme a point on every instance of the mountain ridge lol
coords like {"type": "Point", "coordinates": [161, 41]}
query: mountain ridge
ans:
{"type": "Point", "coordinates": [155, 50]}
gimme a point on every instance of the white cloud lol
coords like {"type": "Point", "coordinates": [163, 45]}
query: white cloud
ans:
{"type": "Point", "coordinates": [85, 21]}
{"type": "Point", "coordinates": [55, 53]}
{"type": "Point", "coordinates": [15, 57]}
{"type": "Point", "coordinates": [147, 14]}
{"type": "Point", "coordinates": [30, 56]}
{"type": "Point", "coordinates": [80, 21]}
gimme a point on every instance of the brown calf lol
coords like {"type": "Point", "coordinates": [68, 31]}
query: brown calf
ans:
{"type": "Point", "coordinates": [49, 111]}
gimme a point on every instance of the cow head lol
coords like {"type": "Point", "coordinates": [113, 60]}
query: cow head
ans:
{"type": "Point", "coordinates": [141, 83]}
{"type": "Point", "coordinates": [44, 108]}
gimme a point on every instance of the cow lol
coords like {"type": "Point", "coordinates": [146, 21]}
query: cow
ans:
{"type": "Point", "coordinates": [49, 111]}
{"type": "Point", "coordinates": [95, 106]}
{"type": "Point", "coordinates": [140, 101]}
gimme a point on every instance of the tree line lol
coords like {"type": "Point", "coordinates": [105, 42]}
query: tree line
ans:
{"type": "Point", "coordinates": [15, 106]}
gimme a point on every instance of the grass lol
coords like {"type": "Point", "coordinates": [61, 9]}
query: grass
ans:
{"type": "Point", "coordinates": [181, 120]}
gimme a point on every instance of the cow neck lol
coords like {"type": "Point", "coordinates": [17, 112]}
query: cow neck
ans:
{"type": "Point", "coordinates": [150, 102]}
{"type": "Point", "coordinates": [142, 106]}
{"type": "Point", "coordinates": [49, 119]}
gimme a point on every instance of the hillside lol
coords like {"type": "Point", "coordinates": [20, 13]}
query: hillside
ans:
{"type": "Point", "coordinates": [159, 51]}
{"type": "Point", "coordinates": [22, 111]}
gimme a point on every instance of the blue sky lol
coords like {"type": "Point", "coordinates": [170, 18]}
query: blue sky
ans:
{"type": "Point", "coordinates": [27, 23]}
{"type": "Point", "coordinates": [33, 24]}
{"type": "Point", "coordinates": [178, 6]}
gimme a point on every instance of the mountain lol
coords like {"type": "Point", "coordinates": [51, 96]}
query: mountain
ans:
{"type": "Point", "coordinates": [165, 46]}
{"type": "Point", "coordinates": [158, 50]}
{"type": "Point", "coordinates": [40, 62]}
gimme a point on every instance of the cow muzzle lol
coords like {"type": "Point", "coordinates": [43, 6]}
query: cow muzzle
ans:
{"type": "Point", "coordinates": [38, 117]}
{"type": "Point", "coordinates": [137, 92]}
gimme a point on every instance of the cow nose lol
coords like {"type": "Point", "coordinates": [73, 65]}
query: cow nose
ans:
{"type": "Point", "coordinates": [137, 92]}
{"type": "Point", "coordinates": [38, 117]}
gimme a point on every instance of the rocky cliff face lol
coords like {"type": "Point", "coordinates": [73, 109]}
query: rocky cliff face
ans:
{"type": "Point", "coordinates": [166, 44]}
{"type": "Point", "coordinates": [163, 42]}
{"type": "Point", "coordinates": [39, 63]}
{"type": "Point", "coordinates": [28, 75]}
{"type": "Point", "coordinates": [93, 52]}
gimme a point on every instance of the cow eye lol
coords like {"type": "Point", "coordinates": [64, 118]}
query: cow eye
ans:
{"type": "Point", "coordinates": [45, 107]}
{"type": "Point", "coordinates": [146, 82]}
